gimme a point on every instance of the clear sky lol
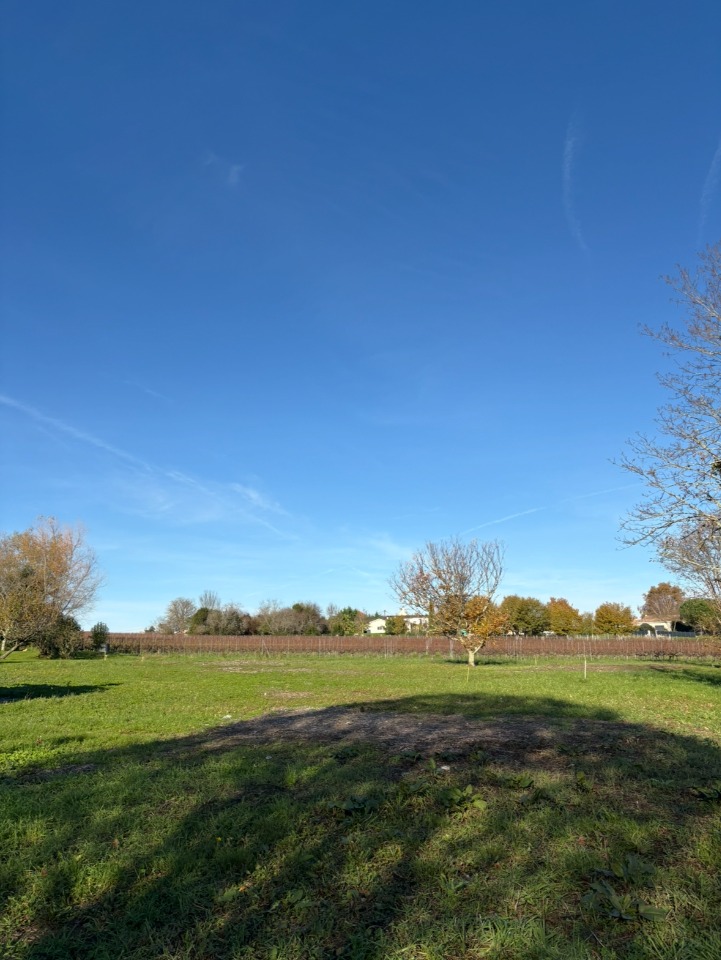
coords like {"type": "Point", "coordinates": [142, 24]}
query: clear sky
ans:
{"type": "Point", "coordinates": [289, 288]}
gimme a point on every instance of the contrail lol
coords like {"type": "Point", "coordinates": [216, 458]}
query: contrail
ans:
{"type": "Point", "coordinates": [598, 493]}
{"type": "Point", "coordinates": [73, 432]}
{"type": "Point", "coordinates": [569, 158]}
{"type": "Point", "coordinates": [549, 506]}
{"type": "Point", "coordinates": [511, 516]}
{"type": "Point", "coordinates": [710, 185]}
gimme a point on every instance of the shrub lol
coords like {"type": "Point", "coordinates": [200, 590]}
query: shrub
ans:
{"type": "Point", "coordinates": [63, 639]}
{"type": "Point", "coordinates": [99, 634]}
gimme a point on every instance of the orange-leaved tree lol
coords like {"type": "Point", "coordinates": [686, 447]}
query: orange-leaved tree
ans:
{"type": "Point", "coordinates": [613, 618]}
{"type": "Point", "coordinates": [455, 583]}
{"type": "Point", "coordinates": [47, 573]}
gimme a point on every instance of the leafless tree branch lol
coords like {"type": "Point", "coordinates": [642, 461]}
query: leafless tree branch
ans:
{"type": "Point", "coordinates": [455, 583]}
{"type": "Point", "coordinates": [680, 512]}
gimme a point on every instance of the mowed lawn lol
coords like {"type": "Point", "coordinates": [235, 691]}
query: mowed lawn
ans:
{"type": "Point", "coordinates": [129, 830]}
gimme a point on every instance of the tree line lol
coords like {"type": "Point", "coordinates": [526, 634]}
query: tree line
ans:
{"type": "Point", "coordinates": [210, 617]}
{"type": "Point", "coordinates": [528, 616]}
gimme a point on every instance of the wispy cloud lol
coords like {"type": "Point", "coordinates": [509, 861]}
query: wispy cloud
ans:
{"type": "Point", "coordinates": [157, 491]}
{"type": "Point", "coordinates": [710, 186]}
{"type": "Point", "coordinates": [256, 498]}
{"type": "Point", "coordinates": [387, 547]}
{"type": "Point", "coordinates": [570, 149]}
{"type": "Point", "coordinates": [234, 173]}
{"type": "Point", "coordinates": [229, 172]}
{"type": "Point", "coordinates": [148, 390]}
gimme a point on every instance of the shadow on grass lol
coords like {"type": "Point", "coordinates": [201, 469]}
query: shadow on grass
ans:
{"type": "Point", "coordinates": [34, 691]}
{"type": "Point", "coordinates": [316, 834]}
{"type": "Point", "coordinates": [490, 706]}
{"type": "Point", "coordinates": [693, 676]}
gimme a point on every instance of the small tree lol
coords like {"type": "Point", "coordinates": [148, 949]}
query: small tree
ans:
{"type": "Point", "coordinates": [396, 626]}
{"type": "Point", "coordinates": [306, 619]}
{"type": "Point", "coordinates": [443, 578]}
{"type": "Point", "coordinates": [702, 615]}
{"type": "Point", "coordinates": [525, 615]}
{"type": "Point", "coordinates": [347, 622]}
{"type": "Point", "coordinates": [177, 616]}
{"type": "Point", "coordinates": [99, 634]}
{"type": "Point", "coordinates": [662, 602]}
{"type": "Point", "coordinates": [268, 618]}
{"type": "Point", "coordinates": [563, 619]}
{"type": "Point", "coordinates": [209, 599]}
{"type": "Point", "coordinates": [197, 622]}
{"type": "Point", "coordinates": [61, 640]}
{"type": "Point", "coordinates": [46, 572]}
{"type": "Point", "coordinates": [613, 618]}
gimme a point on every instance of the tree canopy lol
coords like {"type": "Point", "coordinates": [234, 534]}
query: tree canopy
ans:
{"type": "Point", "coordinates": [702, 615]}
{"type": "Point", "coordinates": [455, 583]}
{"type": "Point", "coordinates": [614, 618]}
{"type": "Point", "coordinates": [562, 617]}
{"type": "Point", "coordinates": [662, 602]}
{"type": "Point", "coordinates": [47, 574]}
{"type": "Point", "coordinates": [525, 615]}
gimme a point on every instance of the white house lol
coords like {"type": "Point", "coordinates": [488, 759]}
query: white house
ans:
{"type": "Point", "coordinates": [657, 628]}
{"type": "Point", "coordinates": [415, 623]}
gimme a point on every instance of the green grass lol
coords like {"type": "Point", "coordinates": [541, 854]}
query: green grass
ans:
{"type": "Point", "coordinates": [122, 836]}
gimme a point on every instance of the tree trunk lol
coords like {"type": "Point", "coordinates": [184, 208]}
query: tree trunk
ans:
{"type": "Point", "coordinates": [12, 649]}
{"type": "Point", "coordinates": [471, 658]}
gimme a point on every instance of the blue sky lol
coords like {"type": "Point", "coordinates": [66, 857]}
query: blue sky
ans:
{"type": "Point", "coordinates": [290, 288]}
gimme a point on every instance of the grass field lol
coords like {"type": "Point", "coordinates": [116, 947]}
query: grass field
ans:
{"type": "Point", "coordinates": [555, 817]}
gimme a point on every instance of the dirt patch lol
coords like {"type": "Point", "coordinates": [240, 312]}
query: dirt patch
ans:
{"type": "Point", "coordinates": [428, 734]}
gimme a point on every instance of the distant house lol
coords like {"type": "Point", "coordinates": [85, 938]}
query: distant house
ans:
{"type": "Point", "coordinates": [654, 628]}
{"type": "Point", "coordinates": [415, 623]}
{"type": "Point", "coordinates": [660, 628]}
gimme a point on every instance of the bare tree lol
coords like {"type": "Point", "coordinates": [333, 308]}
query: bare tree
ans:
{"type": "Point", "coordinates": [662, 602]}
{"type": "Point", "coordinates": [695, 554]}
{"type": "Point", "coordinates": [210, 600]}
{"type": "Point", "coordinates": [455, 583]}
{"type": "Point", "coordinates": [681, 467]}
{"type": "Point", "coordinates": [46, 573]}
{"type": "Point", "coordinates": [269, 617]}
{"type": "Point", "coordinates": [177, 615]}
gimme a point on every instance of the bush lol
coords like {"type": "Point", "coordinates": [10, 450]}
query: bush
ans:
{"type": "Point", "coordinates": [63, 639]}
{"type": "Point", "coordinates": [99, 634]}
